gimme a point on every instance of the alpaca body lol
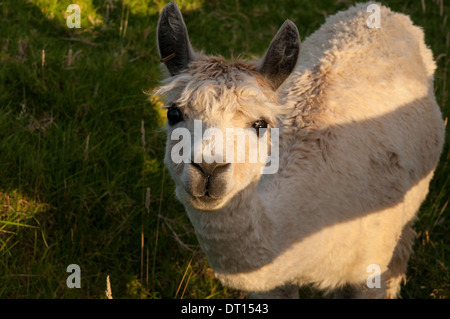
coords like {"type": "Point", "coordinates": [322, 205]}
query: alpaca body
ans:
{"type": "Point", "coordinates": [360, 137]}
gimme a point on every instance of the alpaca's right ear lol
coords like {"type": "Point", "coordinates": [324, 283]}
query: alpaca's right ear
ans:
{"type": "Point", "coordinates": [281, 56]}
{"type": "Point", "coordinates": [174, 46]}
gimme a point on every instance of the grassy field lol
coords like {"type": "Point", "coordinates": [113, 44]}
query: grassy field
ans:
{"type": "Point", "coordinates": [81, 146]}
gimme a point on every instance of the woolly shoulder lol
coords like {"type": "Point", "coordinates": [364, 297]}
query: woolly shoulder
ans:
{"type": "Point", "coordinates": [353, 34]}
{"type": "Point", "coordinates": [346, 63]}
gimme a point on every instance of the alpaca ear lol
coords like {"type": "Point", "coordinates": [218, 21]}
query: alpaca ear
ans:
{"type": "Point", "coordinates": [174, 46]}
{"type": "Point", "coordinates": [281, 56]}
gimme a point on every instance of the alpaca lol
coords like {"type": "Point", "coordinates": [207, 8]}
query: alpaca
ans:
{"type": "Point", "coordinates": [360, 135]}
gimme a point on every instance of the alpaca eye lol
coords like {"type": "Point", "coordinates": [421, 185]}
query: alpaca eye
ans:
{"type": "Point", "coordinates": [174, 114]}
{"type": "Point", "coordinates": [258, 125]}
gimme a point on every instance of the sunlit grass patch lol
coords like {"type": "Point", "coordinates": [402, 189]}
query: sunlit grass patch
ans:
{"type": "Point", "coordinates": [150, 7]}
{"type": "Point", "coordinates": [57, 10]}
{"type": "Point", "coordinates": [16, 213]}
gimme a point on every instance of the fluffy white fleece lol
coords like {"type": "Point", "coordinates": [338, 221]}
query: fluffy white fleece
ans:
{"type": "Point", "coordinates": [361, 135]}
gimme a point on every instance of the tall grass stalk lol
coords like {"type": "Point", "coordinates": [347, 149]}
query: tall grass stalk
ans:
{"type": "Point", "coordinates": [157, 228]}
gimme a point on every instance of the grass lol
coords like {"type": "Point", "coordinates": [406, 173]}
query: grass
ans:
{"type": "Point", "coordinates": [81, 174]}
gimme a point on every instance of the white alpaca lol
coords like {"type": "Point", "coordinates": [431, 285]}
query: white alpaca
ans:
{"type": "Point", "coordinates": [360, 137]}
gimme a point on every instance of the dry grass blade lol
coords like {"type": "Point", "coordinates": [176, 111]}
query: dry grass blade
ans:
{"type": "Point", "coordinates": [86, 149]}
{"type": "Point", "coordinates": [108, 291]}
{"type": "Point", "coordinates": [182, 279]}
{"type": "Point", "coordinates": [147, 200]}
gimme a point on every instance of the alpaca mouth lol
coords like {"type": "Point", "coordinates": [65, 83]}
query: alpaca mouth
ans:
{"type": "Point", "coordinates": [207, 202]}
{"type": "Point", "coordinates": [207, 197]}
{"type": "Point", "coordinates": [209, 188]}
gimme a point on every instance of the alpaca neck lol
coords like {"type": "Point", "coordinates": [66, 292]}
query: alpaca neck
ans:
{"type": "Point", "coordinates": [235, 238]}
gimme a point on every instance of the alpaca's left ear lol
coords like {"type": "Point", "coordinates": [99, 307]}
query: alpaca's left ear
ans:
{"type": "Point", "coordinates": [282, 55]}
{"type": "Point", "coordinates": [174, 46]}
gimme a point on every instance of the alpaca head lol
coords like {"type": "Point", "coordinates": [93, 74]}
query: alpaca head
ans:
{"type": "Point", "coordinates": [219, 113]}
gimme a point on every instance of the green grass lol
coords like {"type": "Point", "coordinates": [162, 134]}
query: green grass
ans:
{"type": "Point", "coordinates": [74, 171]}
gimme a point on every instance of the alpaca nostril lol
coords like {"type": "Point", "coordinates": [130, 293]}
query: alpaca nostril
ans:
{"type": "Point", "coordinates": [209, 168]}
{"type": "Point", "coordinates": [197, 166]}
{"type": "Point", "coordinates": [221, 167]}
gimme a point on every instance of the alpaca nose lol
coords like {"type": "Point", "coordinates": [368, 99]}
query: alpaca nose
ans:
{"type": "Point", "coordinates": [209, 168]}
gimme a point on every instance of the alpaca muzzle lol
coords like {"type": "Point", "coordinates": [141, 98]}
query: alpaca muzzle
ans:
{"type": "Point", "coordinates": [208, 180]}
